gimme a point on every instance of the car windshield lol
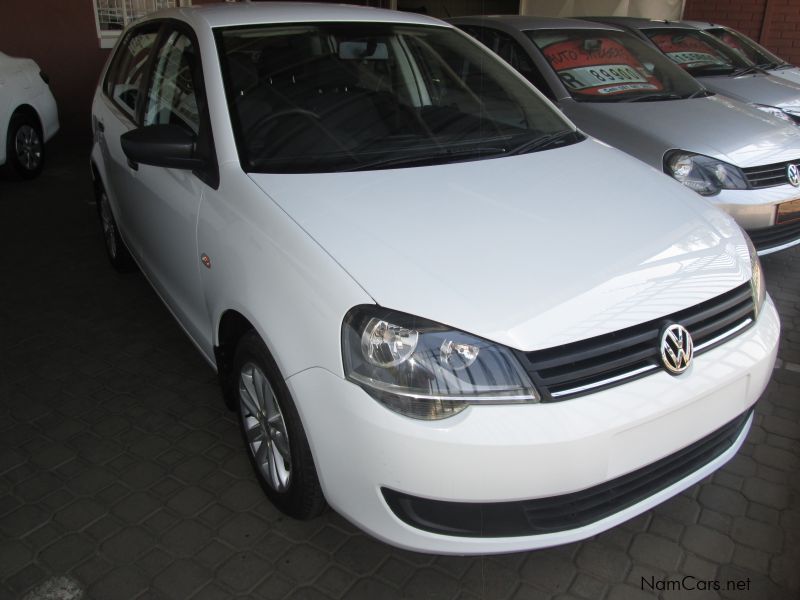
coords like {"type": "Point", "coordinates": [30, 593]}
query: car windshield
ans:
{"type": "Point", "coordinates": [599, 65]}
{"type": "Point", "coordinates": [697, 52]}
{"type": "Point", "coordinates": [326, 97]}
{"type": "Point", "coordinates": [750, 50]}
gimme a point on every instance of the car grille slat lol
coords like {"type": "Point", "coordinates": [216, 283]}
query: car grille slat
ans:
{"type": "Point", "coordinates": [777, 235]}
{"type": "Point", "coordinates": [597, 363]}
{"type": "Point", "coordinates": [764, 176]}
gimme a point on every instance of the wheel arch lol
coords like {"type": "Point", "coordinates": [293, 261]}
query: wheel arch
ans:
{"type": "Point", "coordinates": [232, 326]}
{"type": "Point", "coordinates": [27, 109]}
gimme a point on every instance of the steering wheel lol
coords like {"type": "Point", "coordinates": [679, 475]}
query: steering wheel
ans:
{"type": "Point", "coordinates": [301, 112]}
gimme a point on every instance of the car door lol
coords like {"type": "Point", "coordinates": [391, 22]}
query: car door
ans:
{"type": "Point", "coordinates": [163, 216]}
{"type": "Point", "coordinates": [115, 114]}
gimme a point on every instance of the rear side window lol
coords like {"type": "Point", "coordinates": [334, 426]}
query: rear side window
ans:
{"type": "Point", "coordinates": [129, 68]}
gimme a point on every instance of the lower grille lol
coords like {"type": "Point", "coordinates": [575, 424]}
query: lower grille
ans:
{"type": "Point", "coordinates": [777, 235]}
{"type": "Point", "coordinates": [768, 175]}
{"type": "Point", "coordinates": [562, 513]}
{"type": "Point", "coordinates": [600, 362]}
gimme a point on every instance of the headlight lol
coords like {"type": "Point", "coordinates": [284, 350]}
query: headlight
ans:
{"type": "Point", "coordinates": [425, 370]}
{"type": "Point", "coordinates": [757, 284]}
{"type": "Point", "coordinates": [703, 174]}
{"type": "Point", "coordinates": [775, 112]}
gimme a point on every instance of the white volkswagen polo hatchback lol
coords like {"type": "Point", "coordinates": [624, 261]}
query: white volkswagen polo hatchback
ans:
{"type": "Point", "coordinates": [433, 302]}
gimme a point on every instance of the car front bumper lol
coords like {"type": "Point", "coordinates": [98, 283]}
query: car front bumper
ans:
{"type": "Point", "coordinates": [492, 454]}
{"type": "Point", "coordinates": [756, 212]}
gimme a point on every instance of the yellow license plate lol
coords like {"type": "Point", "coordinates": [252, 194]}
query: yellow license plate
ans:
{"type": "Point", "coordinates": [789, 212]}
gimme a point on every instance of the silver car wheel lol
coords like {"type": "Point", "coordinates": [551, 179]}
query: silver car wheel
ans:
{"type": "Point", "coordinates": [265, 428]}
{"type": "Point", "coordinates": [109, 228]}
{"type": "Point", "coordinates": [28, 146]}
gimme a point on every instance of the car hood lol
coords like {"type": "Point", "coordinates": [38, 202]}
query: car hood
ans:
{"type": "Point", "coordinates": [530, 251]}
{"type": "Point", "coordinates": [758, 88]}
{"type": "Point", "coordinates": [715, 126]}
{"type": "Point", "coordinates": [791, 74]}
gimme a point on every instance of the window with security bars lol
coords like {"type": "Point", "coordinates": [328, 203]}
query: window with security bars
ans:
{"type": "Point", "coordinates": [111, 16]}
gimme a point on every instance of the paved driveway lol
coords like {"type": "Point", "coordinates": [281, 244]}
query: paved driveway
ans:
{"type": "Point", "coordinates": [122, 475]}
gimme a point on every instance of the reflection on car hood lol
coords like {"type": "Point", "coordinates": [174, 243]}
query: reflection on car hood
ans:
{"type": "Point", "coordinates": [531, 251]}
{"type": "Point", "coordinates": [758, 88]}
{"type": "Point", "coordinates": [716, 126]}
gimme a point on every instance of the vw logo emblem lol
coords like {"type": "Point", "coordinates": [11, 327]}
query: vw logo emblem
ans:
{"type": "Point", "coordinates": [793, 174]}
{"type": "Point", "coordinates": [677, 349]}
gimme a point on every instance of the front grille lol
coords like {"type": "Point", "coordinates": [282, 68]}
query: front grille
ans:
{"type": "Point", "coordinates": [569, 511]}
{"type": "Point", "coordinates": [604, 361]}
{"type": "Point", "coordinates": [768, 175]}
{"type": "Point", "coordinates": [777, 235]}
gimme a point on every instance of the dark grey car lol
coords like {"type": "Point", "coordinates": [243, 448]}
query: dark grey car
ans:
{"type": "Point", "coordinates": [623, 91]}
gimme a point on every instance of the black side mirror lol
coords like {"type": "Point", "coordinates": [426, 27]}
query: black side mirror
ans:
{"type": "Point", "coordinates": [169, 146]}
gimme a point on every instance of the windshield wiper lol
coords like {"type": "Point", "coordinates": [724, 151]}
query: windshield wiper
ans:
{"type": "Point", "coordinates": [746, 70]}
{"type": "Point", "coordinates": [703, 93]}
{"type": "Point", "coordinates": [653, 97]}
{"type": "Point", "coordinates": [546, 142]}
{"type": "Point", "coordinates": [773, 66]}
{"type": "Point", "coordinates": [723, 69]}
{"type": "Point", "coordinates": [422, 160]}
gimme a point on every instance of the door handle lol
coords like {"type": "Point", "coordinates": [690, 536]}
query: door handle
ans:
{"type": "Point", "coordinates": [133, 165]}
{"type": "Point", "coordinates": [100, 127]}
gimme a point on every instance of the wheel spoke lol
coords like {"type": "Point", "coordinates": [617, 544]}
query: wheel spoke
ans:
{"type": "Point", "coordinates": [255, 433]}
{"type": "Point", "coordinates": [247, 393]}
{"type": "Point", "coordinates": [263, 453]}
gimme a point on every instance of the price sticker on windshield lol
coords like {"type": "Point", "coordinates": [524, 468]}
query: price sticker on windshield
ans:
{"type": "Point", "coordinates": [598, 67]}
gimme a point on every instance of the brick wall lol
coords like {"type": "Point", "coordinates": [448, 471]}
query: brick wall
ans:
{"type": "Point", "coordinates": [773, 23]}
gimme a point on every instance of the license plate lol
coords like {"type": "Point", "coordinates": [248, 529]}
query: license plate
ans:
{"type": "Point", "coordinates": [579, 78]}
{"type": "Point", "coordinates": [788, 212]}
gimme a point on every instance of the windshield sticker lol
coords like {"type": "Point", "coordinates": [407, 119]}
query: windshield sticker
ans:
{"type": "Point", "coordinates": [688, 51]}
{"type": "Point", "coordinates": [598, 67]}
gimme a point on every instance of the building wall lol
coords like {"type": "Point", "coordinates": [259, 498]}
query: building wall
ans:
{"type": "Point", "coordinates": [773, 23]}
{"type": "Point", "coordinates": [61, 37]}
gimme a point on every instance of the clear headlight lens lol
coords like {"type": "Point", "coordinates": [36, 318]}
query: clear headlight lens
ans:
{"type": "Point", "coordinates": [703, 174]}
{"type": "Point", "coordinates": [757, 284]}
{"type": "Point", "coordinates": [426, 370]}
{"type": "Point", "coordinates": [775, 112]}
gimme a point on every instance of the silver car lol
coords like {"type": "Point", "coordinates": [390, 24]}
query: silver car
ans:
{"type": "Point", "coordinates": [621, 90]}
{"type": "Point", "coordinates": [751, 50]}
{"type": "Point", "coordinates": [717, 66]}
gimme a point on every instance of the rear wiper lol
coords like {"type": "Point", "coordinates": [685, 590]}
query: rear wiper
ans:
{"type": "Point", "coordinates": [546, 142]}
{"type": "Point", "coordinates": [653, 97]}
{"type": "Point", "coordinates": [422, 160]}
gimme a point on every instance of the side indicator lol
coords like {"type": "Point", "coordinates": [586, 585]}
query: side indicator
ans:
{"type": "Point", "coordinates": [204, 258]}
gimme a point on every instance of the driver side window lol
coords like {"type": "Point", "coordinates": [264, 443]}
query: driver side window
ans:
{"type": "Point", "coordinates": [172, 95]}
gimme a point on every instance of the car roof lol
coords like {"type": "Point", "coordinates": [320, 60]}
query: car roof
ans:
{"type": "Point", "coordinates": [641, 23]}
{"type": "Point", "coordinates": [258, 13]}
{"type": "Point", "coordinates": [525, 23]}
{"type": "Point", "coordinates": [701, 24]}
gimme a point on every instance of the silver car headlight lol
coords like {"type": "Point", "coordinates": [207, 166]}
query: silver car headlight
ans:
{"type": "Point", "coordinates": [775, 112]}
{"type": "Point", "coordinates": [703, 174]}
{"type": "Point", "coordinates": [757, 285]}
{"type": "Point", "coordinates": [426, 370]}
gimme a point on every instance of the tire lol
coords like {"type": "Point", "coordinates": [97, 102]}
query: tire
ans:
{"type": "Point", "coordinates": [25, 145]}
{"type": "Point", "coordinates": [116, 250]}
{"type": "Point", "coordinates": [273, 434]}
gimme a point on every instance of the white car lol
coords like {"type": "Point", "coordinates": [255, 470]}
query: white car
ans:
{"type": "Point", "coordinates": [434, 303]}
{"type": "Point", "coordinates": [28, 115]}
